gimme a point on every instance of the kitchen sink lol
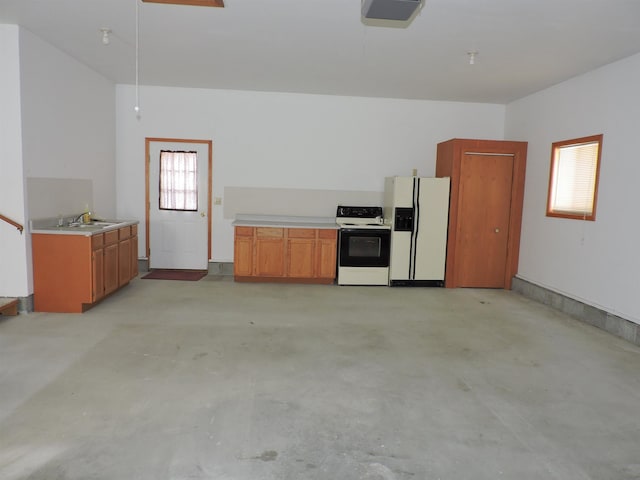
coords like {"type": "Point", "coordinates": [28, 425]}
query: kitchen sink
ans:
{"type": "Point", "coordinates": [92, 225]}
{"type": "Point", "coordinates": [83, 226]}
{"type": "Point", "coordinates": [101, 223]}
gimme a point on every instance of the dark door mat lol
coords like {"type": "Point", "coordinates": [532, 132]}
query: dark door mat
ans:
{"type": "Point", "coordinates": [186, 275]}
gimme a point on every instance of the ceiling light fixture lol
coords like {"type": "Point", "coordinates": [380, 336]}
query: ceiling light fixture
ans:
{"type": "Point", "coordinates": [389, 9]}
{"type": "Point", "coordinates": [105, 36]}
{"type": "Point", "coordinates": [472, 57]}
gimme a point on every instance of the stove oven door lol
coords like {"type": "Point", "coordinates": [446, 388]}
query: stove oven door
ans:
{"type": "Point", "coordinates": [364, 247]}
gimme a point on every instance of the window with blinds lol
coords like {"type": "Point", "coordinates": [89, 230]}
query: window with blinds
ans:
{"type": "Point", "coordinates": [178, 181]}
{"type": "Point", "coordinates": [573, 181]}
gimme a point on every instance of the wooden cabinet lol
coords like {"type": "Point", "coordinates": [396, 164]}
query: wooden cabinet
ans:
{"type": "Point", "coordinates": [269, 245]}
{"type": "Point", "coordinates": [485, 211]}
{"type": "Point", "coordinates": [305, 255]}
{"type": "Point", "coordinates": [124, 255]}
{"type": "Point", "coordinates": [326, 251]}
{"type": "Point", "coordinates": [110, 262]}
{"type": "Point", "coordinates": [62, 272]}
{"type": "Point", "coordinates": [134, 251]}
{"type": "Point", "coordinates": [300, 255]}
{"type": "Point", "coordinates": [243, 252]}
{"type": "Point", "coordinates": [97, 267]}
{"type": "Point", "coordinates": [72, 272]}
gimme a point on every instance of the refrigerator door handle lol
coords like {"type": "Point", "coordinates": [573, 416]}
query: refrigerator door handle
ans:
{"type": "Point", "coordinates": [414, 230]}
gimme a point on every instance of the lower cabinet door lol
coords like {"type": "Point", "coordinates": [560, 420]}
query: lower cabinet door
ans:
{"type": "Point", "coordinates": [110, 268]}
{"type": "Point", "coordinates": [270, 257]}
{"type": "Point", "coordinates": [300, 257]}
{"type": "Point", "coordinates": [243, 256]}
{"type": "Point", "coordinates": [134, 257]}
{"type": "Point", "coordinates": [269, 252]}
{"type": "Point", "coordinates": [124, 262]}
{"type": "Point", "coordinates": [97, 280]}
{"type": "Point", "coordinates": [326, 258]}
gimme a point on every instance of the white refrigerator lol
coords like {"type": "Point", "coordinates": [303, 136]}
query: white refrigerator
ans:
{"type": "Point", "coordinates": [417, 208]}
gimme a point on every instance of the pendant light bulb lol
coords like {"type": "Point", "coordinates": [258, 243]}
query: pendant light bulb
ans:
{"type": "Point", "coordinates": [472, 57]}
{"type": "Point", "coordinates": [105, 36]}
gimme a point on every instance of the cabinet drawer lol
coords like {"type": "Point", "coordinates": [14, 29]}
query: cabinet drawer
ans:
{"type": "Point", "coordinates": [97, 241]}
{"type": "Point", "coordinates": [124, 233]}
{"type": "Point", "coordinates": [301, 233]}
{"type": "Point", "coordinates": [269, 232]}
{"type": "Point", "coordinates": [328, 233]}
{"type": "Point", "coordinates": [244, 231]}
{"type": "Point", "coordinates": [111, 237]}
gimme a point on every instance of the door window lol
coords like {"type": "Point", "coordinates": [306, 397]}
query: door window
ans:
{"type": "Point", "coordinates": [178, 181]}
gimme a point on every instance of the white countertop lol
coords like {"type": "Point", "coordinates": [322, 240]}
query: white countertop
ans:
{"type": "Point", "coordinates": [284, 221]}
{"type": "Point", "coordinates": [88, 230]}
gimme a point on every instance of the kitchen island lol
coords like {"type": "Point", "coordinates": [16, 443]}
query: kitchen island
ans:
{"type": "Point", "coordinates": [270, 248]}
{"type": "Point", "coordinates": [77, 265]}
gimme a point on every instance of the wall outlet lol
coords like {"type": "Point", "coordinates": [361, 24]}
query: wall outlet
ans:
{"type": "Point", "coordinates": [217, 201]}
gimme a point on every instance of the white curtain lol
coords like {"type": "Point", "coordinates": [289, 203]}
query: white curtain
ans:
{"type": "Point", "coordinates": [178, 180]}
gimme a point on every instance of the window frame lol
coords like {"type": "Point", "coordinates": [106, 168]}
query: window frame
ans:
{"type": "Point", "coordinates": [555, 147]}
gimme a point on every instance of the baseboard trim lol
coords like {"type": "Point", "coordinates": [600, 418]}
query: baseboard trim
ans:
{"type": "Point", "coordinates": [613, 324]}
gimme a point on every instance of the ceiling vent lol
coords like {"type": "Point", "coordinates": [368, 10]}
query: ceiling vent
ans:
{"type": "Point", "coordinates": [389, 9]}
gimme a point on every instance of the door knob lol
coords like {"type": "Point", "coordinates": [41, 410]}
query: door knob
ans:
{"type": "Point", "coordinates": [497, 230]}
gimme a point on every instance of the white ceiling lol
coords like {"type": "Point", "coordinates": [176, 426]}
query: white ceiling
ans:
{"type": "Point", "coordinates": [325, 47]}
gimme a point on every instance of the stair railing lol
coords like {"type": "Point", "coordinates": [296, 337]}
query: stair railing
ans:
{"type": "Point", "coordinates": [11, 222]}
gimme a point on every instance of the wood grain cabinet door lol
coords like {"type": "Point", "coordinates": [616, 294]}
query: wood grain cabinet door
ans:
{"type": "Point", "coordinates": [269, 252]}
{"type": "Point", "coordinates": [300, 254]}
{"type": "Point", "coordinates": [97, 276]}
{"type": "Point", "coordinates": [134, 257]}
{"type": "Point", "coordinates": [110, 268]}
{"type": "Point", "coordinates": [326, 250]}
{"type": "Point", "coordinates": [97, 267]}
{"type": "Point", "coordinates": [124, 262]}
{"type": "Point", "coordinates": [243, 252]}
{"type": "Point", "coordinates": [300, 257]}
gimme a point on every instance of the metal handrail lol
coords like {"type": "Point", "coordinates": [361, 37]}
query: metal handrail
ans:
{"type": "Point", "coordinates": [11, 222]}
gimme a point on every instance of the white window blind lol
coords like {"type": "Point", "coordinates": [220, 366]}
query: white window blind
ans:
{"type": "Point", "coordinates": [178, 181]}
{"type": "Point", "coordinates": [572, 188]}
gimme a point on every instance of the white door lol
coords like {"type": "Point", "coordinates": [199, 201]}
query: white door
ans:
{"type": "Point", "coordinates": [178, 238]}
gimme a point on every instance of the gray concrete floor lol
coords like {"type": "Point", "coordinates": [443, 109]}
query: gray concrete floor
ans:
{"type": "Point", "coordinates": [218, 380]}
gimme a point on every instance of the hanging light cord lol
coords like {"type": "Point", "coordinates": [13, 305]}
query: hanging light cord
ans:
{"type": "Point", "coordinates": [137, 107]}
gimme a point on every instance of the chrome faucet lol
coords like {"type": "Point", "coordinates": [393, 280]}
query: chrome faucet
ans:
{"type": "Point", "coordinates": [80, 218]}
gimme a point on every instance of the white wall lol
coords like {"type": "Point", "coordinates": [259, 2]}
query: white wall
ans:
{"type": "Point", "coordinates": [68, 113]}
{"type": "Point", "coordinates": [13, 246]}
{"type": "Point", "coordinates": [289, 141]}
{"type": "Point", "coordinates": [58, 122]}
{"type": "Point", "coordinates": [595, 262]}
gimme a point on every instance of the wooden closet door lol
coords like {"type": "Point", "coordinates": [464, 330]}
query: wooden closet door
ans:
{"type": "Point", "coordinates": [483, 219]}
